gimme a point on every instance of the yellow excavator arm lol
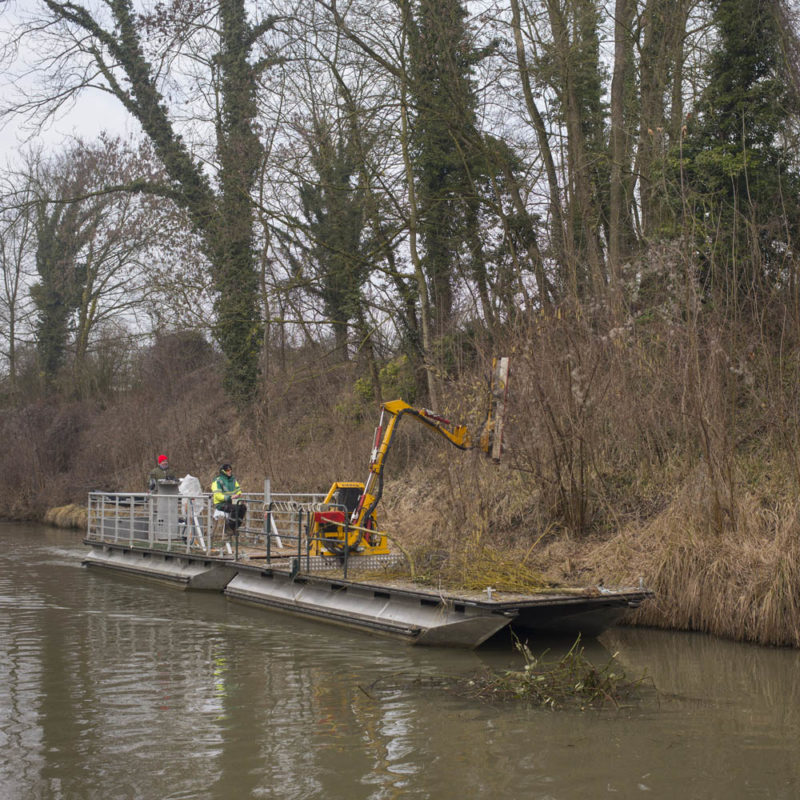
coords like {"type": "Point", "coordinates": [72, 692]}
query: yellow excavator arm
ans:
{"type": "Point", "coordinates": [395, 410]}
{"type": "Point", "coordinates": [359, 531]}
{"type": "Point", "coordinates": [351, 523]}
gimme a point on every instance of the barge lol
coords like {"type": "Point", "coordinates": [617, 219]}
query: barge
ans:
{"type": "Point", "coordinates": [278, 558]}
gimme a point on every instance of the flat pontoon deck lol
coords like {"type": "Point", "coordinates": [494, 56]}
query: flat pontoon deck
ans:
{"type": "Point", "coordinates": [177, 540]}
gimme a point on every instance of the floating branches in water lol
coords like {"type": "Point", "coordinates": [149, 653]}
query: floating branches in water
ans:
{"type": "Point", "coordinates": [572, 680]}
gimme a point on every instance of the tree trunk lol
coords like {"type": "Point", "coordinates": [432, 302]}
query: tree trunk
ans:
{"type": "Point", "coordinates": [664, 23]}
{"type": "Point", "coordinates": [422, 286]}
{"type": "Point", "coordinates": [558, 231]}
{"type": "Point", "coordinates": [619, 161]}
{"type": "Point", "coordinates": [584, 216]}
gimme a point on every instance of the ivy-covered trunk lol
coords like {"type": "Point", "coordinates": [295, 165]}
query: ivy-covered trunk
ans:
{"type": "Point", "coordinates": [238, 326]}
{"type": "Point", "coordinates": [222, 213]}
{"type": "Point", "coordinates": [442, 92]}
{"type": "Point", "coordinates": [63, 228]}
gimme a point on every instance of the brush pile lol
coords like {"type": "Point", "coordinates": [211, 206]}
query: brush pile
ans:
{"type": "Point", "coordinates": [571, 681]}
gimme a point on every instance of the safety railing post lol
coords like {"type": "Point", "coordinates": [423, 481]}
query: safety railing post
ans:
{"type": "Point", "coordinates": [299, 535]}
{"type": "Point", "coordinates": [346, 542]}
{"type": "Point", "coordinates": [186, 507]}
{"type": "Point", "coordinates": [309, 517]}
{"type": "Point", "coordinates": [209, 524]}
{"type": "Point", "coordinates": [268, 531]}
{"type": "Point", "coordinates": [151, 521]}
{"type": "Point", "coordinates": [116, 517]}
{"type": "Point", "coordinates": [267, 517]}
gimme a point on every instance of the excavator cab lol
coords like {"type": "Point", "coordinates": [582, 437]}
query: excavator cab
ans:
{"type": "Point", "coordinates": [336, 526]}
{"type": "Point", "coordinates": [348, 496]}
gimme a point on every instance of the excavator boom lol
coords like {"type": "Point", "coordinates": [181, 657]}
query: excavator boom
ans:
{"type": "Point", "coordinates": [354, 525]}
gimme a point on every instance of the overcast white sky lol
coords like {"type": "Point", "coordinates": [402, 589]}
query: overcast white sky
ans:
{"type": "Point", "coordinates": [95, 111]}
{"type": "Point", "coordinates": [93, 115]}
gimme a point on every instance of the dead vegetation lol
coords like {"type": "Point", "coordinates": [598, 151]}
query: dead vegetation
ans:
{"type": "Point", "coordinates": [741, 582]}
{"type": "Point", "coordinates": [69, 516]}
{"type": "Point", "coordinates": [569, 681]}
{"type": "Point", "coordinates": [664, 448]}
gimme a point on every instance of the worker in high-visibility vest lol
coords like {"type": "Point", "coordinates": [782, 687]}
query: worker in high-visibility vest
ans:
{"type": "Point", "coordinates": [228, 496]}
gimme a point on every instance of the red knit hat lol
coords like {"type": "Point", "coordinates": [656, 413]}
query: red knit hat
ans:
{"type": "Point", "coordinates": [162, 459]}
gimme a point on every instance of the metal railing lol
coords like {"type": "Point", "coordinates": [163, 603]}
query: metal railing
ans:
{"type": "Point", "coordinates": [276, 527]}
{"type": "Point", "coordinates": [173, 523]}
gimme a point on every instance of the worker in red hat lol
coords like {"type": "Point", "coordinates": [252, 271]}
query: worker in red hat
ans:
{"type": "Point", "coordinates": [162, 472]}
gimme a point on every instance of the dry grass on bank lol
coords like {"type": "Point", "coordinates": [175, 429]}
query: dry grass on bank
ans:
{"type": "Point", "coordinates": [742, 582]}
{"type": "Point", "coordinates": [69, 516]}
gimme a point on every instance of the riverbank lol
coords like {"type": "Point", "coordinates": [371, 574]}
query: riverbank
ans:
{"type": "Point", "coordinates": [666, 452]}
{"type": "Point", "coordinates": [71, 517]}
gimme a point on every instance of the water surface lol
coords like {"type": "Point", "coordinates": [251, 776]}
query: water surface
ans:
{"type": "Point", "coordinates": [115, 688]}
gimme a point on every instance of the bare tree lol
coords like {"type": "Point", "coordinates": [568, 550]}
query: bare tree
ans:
{"type": "Point", "coordinates": [94, 249]}
{"type": "Point", "coordinates": [17, 237]}
{"type": "Point", "coordinates": [204, 57]}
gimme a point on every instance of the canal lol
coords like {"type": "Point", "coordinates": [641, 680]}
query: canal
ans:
{"type": "Point", "coordinates": [114, 688]}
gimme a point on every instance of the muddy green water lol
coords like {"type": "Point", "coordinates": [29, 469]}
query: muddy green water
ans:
{"type": "Point", "coordinates": [112, 688]}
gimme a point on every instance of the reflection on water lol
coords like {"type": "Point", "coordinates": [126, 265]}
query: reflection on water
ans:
{"type": "Point", "coordinates": [113, 688]}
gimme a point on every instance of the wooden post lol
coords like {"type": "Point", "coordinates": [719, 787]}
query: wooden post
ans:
{"type": "Point", "coordinates": [499, 397]}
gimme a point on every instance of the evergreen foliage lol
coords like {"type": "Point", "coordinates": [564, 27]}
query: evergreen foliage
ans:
{"type": "Point", "coordinates": [743, 183]}
{"type": "Point", "coordinates": [333, 206]}
{"type": "Point", "coordinates": [62, 276]}
{"type": "Point", "coordinates": [443, 141]}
